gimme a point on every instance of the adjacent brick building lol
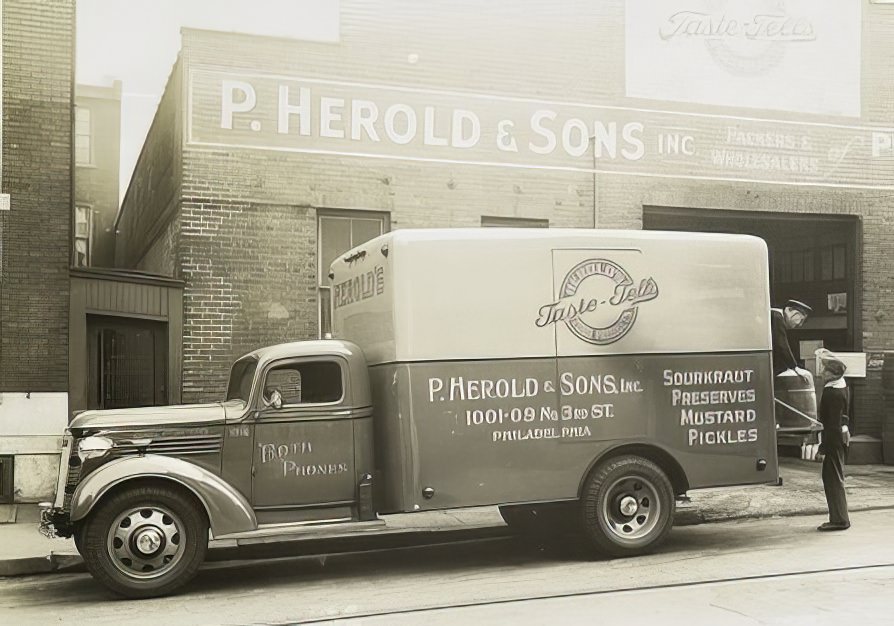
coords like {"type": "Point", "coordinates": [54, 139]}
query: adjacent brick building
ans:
{"type": "Point", "coordinates": [38, 76]}
{"type": "Point", "coordinates": [97, 153]}
{"type": "Point", "coordinates": [268, 157]}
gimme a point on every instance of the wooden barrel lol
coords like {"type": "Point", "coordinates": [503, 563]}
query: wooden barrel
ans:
{"type": "Point", "coordinates": [796, 403]}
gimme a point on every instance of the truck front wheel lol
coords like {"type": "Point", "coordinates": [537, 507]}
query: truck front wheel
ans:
{"type": "Point", "coordinates": [627, 506]}
{"type": "Point", "coordinates": [145, 541]}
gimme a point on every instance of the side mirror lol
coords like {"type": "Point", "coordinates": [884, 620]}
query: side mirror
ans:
{"type": "Point", "coordinates": [273, 400]}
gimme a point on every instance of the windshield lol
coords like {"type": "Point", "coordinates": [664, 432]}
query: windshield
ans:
{"type": "Point", "coordinates": [241, 377]}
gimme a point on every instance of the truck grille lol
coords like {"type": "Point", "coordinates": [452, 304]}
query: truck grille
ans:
{"type": "Point", "coordinates": [72, 477]}
{"type": "Point", "coordinates": [173, 446]}
{"type": "Point", "coordinates": [182, 445]}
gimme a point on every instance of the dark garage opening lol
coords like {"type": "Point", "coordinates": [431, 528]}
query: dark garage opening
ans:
{"type": "Point", "coordinates": [812, 258]}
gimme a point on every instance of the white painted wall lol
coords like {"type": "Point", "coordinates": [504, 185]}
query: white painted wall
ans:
{"type": "Point", "coordinates": [23, 414]}
{"type": "Point", "coordinates": [35, 477]}
{"type": "Point", "coordinates": [31, 427]}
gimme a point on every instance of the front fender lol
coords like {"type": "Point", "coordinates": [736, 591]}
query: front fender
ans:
{"type": "Point", "coordinates": [228, 510]}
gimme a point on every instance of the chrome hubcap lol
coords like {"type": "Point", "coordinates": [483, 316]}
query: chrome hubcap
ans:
{"type": "Point", "coordinates": [146, 542]}
{"type": "Point", "coordinates": [631, 509]}
{"type": "Point", "coordinates": [629, 506]}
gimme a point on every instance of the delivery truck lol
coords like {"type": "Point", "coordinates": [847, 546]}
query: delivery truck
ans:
{"type": "Point", "coordinates": [581, 380]}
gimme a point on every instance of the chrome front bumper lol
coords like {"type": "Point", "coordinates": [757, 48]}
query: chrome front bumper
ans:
{"type": "Point", "coordinates": [53, 521]}
{"type": "Point", "coordinates": [53, 518]}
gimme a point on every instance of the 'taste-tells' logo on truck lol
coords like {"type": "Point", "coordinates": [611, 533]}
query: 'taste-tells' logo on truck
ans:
{"type": "Point", "coordinates": [598, 301]}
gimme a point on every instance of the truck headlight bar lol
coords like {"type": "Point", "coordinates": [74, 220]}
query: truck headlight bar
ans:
{"type": "Point", "coordinates": [93, 447]}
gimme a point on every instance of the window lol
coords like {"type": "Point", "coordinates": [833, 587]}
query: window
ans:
{"type": "Point", "coordinates": [83, 137]}
{"type": "Point", "coordinates": [314, 382]}
{"type": "Point", "coordinates": [833, 263]}
{"type": "Point", "coordinates": [795, 266]}
{"type": "Point", "coordinates": [838, 263]}
{"type": "Point", "coordinates": [127, 362]}
{"type": "Point", "coordinates": [336, 234]}
{"type": "Point", "coordinates": [241, 377]}
{"type": "Point", "coordinates": [808, 265]}
{"type": "Point", "coordinates": [7, 468]}
{"type": "Point", "coordinates": [488, 221]}
{"type": "Point", "coordinates": [83, 241]}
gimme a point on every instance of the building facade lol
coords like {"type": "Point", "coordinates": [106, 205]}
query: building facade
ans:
{"type": "Point", "coordinates": [97, 154]}
{"type": "Point", "coordinates": [35, 231]}
{"type": "Point", "coordinates": [269, 157]}
{"type": "Point", "coordinates": [124, 327]}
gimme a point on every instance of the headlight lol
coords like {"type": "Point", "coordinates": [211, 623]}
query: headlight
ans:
{"type": "Point", "coordinates": [93, 447]}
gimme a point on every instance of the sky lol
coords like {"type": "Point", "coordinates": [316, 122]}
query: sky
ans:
{"type": "Point", "coordinates": [136, 42]}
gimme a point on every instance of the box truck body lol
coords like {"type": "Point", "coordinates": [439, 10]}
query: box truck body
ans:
{"type": "Point", "coordinates": [504, 363]}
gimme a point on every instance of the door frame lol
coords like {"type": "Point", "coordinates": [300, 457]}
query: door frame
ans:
{"type": "Point", "coordinates": [334, 411]}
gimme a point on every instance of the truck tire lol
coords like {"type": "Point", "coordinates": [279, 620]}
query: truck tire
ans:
{"type": "Point", "coordinates": [145, 541]}
{"type": "Point", "coordinates": [627, 506]}
{"type": "Point", "coordinates": [78, 535]}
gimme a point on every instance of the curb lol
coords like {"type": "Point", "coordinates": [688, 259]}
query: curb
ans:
{"type": "Point", "coordinates": [48, 564]}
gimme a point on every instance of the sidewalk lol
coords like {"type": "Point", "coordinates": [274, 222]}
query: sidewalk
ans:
{"type": "Point", "coordinates": [24, 551]}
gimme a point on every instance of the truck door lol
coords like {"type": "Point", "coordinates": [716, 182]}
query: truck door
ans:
{"type": "Point", "coordinates": [304, 440]}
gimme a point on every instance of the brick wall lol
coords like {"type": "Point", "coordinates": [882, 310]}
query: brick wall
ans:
{"type": "Point", "coordinates": [152, 198]}
{"type": "Point", "coordinates": [878, 63]}
{"type": "Point", "coordinates": [37, 173]}
{"type": "Point", "coordinates": [245, 236]}
{"type": "Point", "coordinates": [249, 270]}
{"type": "Point", "coordinates": [161, 257]}
{"type": "Point", "coordinates": [248, 229]}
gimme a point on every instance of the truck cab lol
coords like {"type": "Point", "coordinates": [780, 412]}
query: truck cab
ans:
{"type": "Point", "coordinates": [290, 445]}
{"type": "Point", "coordinates": [303, 443]}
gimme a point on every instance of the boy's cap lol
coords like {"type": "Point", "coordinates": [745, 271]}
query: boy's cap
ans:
{"type": "Point", "coordinates": [800, 306]}
{"type": "Point", "coordinates": [834, 365]}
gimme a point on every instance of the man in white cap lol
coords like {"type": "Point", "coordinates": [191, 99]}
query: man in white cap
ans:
{"type": "Point", "coordinates": [792, 315]}
{"type": "Point", "coordinates": [833, 415]}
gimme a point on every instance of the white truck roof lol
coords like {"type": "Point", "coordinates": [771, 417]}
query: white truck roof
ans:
{"type": "Point", "coordinates": [491, 293]}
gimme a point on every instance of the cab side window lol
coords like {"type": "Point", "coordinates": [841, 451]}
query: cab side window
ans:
{"type": "Point", "coordinates": [313, 382]}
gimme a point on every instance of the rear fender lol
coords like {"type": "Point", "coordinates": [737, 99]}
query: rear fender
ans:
{"type": "Point", "coordinates": [228, 510]}
{"type": "Point", "coordinates": [650, 450]}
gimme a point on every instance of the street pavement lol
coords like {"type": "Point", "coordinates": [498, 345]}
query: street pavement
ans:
{"type": "Point", "coordinates": [829, 598]}
{"type": "Point", "coordinates": [742, 567]}
{"type": "Point", "coordinates": [23, 551]}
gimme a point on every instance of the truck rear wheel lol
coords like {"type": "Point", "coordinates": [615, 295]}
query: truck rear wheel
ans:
{"type": "Point", "coordinates": [145, 541]}
{"type": "Point", "coordinates": [627, 506]}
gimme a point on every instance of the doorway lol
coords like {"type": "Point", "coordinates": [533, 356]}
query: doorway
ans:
{"type": "Point", "coordinates": [127, 362]}
{"type": "Point", "coordinates": [812, 258]}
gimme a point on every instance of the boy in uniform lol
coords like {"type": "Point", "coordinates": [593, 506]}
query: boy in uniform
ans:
{"type": "Point", "coordinates": [833, 415]}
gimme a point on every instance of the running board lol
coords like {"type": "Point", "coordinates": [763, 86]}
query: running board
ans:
{"type": "Point", "coordinates": [317, 529]}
